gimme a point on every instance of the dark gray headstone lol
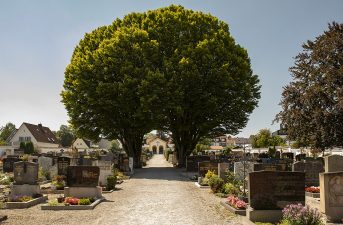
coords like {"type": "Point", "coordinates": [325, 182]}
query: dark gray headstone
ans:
{"type": "Point", "coordinates": [83, 176]}
{"type": "Point", "coordinates": [206, 166]}
{"type": "Point", "coordinates": [275, 189]}
{"type": "Point", "coordinates": [8, 162]}
{"type": "Point", "coordinates": [311, 170]}
{"type": "Point", "coordinates": [62, 165]}
{"type": "Point", "coordinates": [25, 173]}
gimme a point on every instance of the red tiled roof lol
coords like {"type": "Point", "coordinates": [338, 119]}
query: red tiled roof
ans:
{"type": "Point", "coordinates": [42, 134]}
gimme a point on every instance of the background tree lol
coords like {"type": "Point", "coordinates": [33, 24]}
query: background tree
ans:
{"type": "Point", "coordinates": [264, 139]}
{"type": "Point", "coordinates": [312, 104]}
{"type": "Point", "coordinates": [6, 131]}
{"type": "Point", "coordinates": [101, 87]}
{"type": "Point", "coordinates": [65, 135]}
{"type": "Point", "coordinates": [205, 84]}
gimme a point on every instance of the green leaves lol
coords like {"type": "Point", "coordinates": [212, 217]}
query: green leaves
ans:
{"type": "Point", "coordinates": [170, 68]}
{"type": "Point", "coordinates": [311, 103]}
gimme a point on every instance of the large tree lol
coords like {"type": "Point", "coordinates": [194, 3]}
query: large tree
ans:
{"type": "Point", "coordinates": [205, 86]}
{"type": "Point", "coordinates": [171, 65]}
{"type": "Point", "coordinates": [101, 87]}
{"type": "Point", "coordinates": [312, 104]}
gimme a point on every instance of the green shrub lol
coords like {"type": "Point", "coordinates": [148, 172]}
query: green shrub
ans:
{"type": "Point", "coordinates": [204, 182]}
{"type": "Point", "coordinates": [216, 183]}
{"type": "Point", "coordinates": [111, 182]}
{"type": "Point", "coordinates": [231, 189]}
{"type": "Point", "coordinates": [84, 201]}
{"type": "Point", "coordinates": [209, 174]}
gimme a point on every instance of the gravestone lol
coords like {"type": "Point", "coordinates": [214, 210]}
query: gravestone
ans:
{"type": "Point", "coordinates": [25, 179]}
{"type": "Point", "coordinates": [45, 162]}
{"type": "Point", "coordinates": [105, 170]}
{"type": "Point", "coordinates": [288, 155]}
{"type": "Point", "coordinates": [82, 181]}
{"type": "Point", "coordinates": [83, 176]}
{"type": "Point", "coordinates": [300, 157]}
{"type": "Point", "coordinates": [269, 190]}
{"type": "Point", "coordinates": [131, 164]}
{"type": "Point", "coordinates": [192, 162]}
{"type": "Point", "coordinates": [311, 169]}
{"type": "Point", "coordinates": [206, 166]}
{"type": "Point", "coordinates": [25, 173]}
{"type": "Point", "coordinates": [62, 165]}
{"type": "Point", "coordinates": [8, 162]}
{"type": "Point", "coordinates": [85, 161]}
{"type": "Point", "coordinates": [333, 163]}
{"type": "Point", "coordinates": [239, 169]}
{"type": "Point", "coordinates": [269, 167]}
{"type": "Point", "coordinates": [222, 170]}
{"type": "Point", "coordinates": [331, 195]}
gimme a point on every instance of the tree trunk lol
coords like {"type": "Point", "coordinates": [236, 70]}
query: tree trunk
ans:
{"type": "Point", "coordinates": [184, 145]}
{"type": "Point", "coordinates": [132, 145]}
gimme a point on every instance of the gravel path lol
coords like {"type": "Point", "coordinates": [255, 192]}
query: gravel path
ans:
{"type": "Point", "coordinates": [156, 194]}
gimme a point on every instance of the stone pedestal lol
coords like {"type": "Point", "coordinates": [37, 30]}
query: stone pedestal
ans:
{"type": "Point", "coordinates": [83, 192]}
{"type": "Point", "coordinates": [265, 216]}
{"type": "Point", "coordinates": [331, 195]}
{"type": "Point", "coordinates": [25, 189]}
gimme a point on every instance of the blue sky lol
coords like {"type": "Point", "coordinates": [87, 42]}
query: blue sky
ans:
{"type": "Point", "coordinates": [37, 39]}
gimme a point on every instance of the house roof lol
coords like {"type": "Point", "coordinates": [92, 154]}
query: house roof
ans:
{"type": "Point", "coordinates": [151, 140]}
{"type": "Point", "coordinates": [41, 134]}
{"type": "Point", "coordinates": [87, 142]}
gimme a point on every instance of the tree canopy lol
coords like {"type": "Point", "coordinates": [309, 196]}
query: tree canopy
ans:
{"type": "Point", "coordinates": [264, 139]}
{"type": "Point", "coordinates": [170, 69]}
{"type": "Point", "coordinates": [65, 136]}
{"type": "Point", "coordinates": [6, 131]}
{"type": "Point", "coordinates": [312, 104]}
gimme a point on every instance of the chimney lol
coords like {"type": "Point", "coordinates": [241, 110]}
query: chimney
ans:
{"type": "Point", "coordinates": [40, 127]}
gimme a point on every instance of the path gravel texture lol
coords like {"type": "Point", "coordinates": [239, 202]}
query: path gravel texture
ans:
{"type": "Point", "coordinates": [156, 195]}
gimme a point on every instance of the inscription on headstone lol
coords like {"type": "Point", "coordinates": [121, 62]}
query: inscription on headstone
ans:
{"type": "Point", "coordinates": [275, 189]}
{"type": "Point", "coordinates": [62, 165]}
{"type": "Point", "coordinates": [83, 176]}
{"type": "Point", "coordinates": [25, 173]}
{"type": "Point", "coordinates": [269, 167]}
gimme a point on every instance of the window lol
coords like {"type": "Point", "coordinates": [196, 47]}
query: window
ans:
{"type": "Point", "coordinates": [21, 139]}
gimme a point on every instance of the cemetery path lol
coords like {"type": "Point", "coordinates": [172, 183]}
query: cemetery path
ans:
{"type": "Point", "coordinates": [156, 194]}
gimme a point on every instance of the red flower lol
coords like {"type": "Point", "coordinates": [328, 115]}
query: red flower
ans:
{"type": "Point", "coordinates": [236, 202]}
{"type": "Point", "coordinates": [312, 189]}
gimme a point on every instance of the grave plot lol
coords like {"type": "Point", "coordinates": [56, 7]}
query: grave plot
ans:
{"type": "Point", "coordinates": [25, 191]}
{"type": "Point", "coordinates": [271, 191]}
{"type": "Point", "coordinates": [82, 191]}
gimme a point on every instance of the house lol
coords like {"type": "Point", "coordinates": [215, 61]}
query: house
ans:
{"type": "Point", "coordinates": [156, 145]}
{"type": "Point", "coordinates": [42, 137]}
{"type": "Point", "coordinates": [219, 141]}
{"type": "Point", "coordinates": [81, 144]}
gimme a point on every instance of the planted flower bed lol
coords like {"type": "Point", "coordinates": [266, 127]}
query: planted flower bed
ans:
{"type": "Point", "coordinates": [235, 205]}
{"type": "Point", "coordinates": [24, 201]}
{"type": "Point", "coordinates": [71, 203]}
{"type": "Point", "coordinates": [313, 192]}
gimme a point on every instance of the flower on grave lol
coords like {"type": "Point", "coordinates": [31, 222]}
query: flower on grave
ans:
{"type": "Point", "coordinates": [312, 189]}
{"type": "Point", "coordinates": [72, 201]}
{"type": "Point", "coordinates": [299, 214]}
{"type": "Point", "coordinates": [236, 202]}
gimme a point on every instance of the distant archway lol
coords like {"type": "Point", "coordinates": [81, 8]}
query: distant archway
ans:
{"type": "Point", "coordinates": [160, 150]}
{"type": "Point", "coordinates": [154, 149]}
